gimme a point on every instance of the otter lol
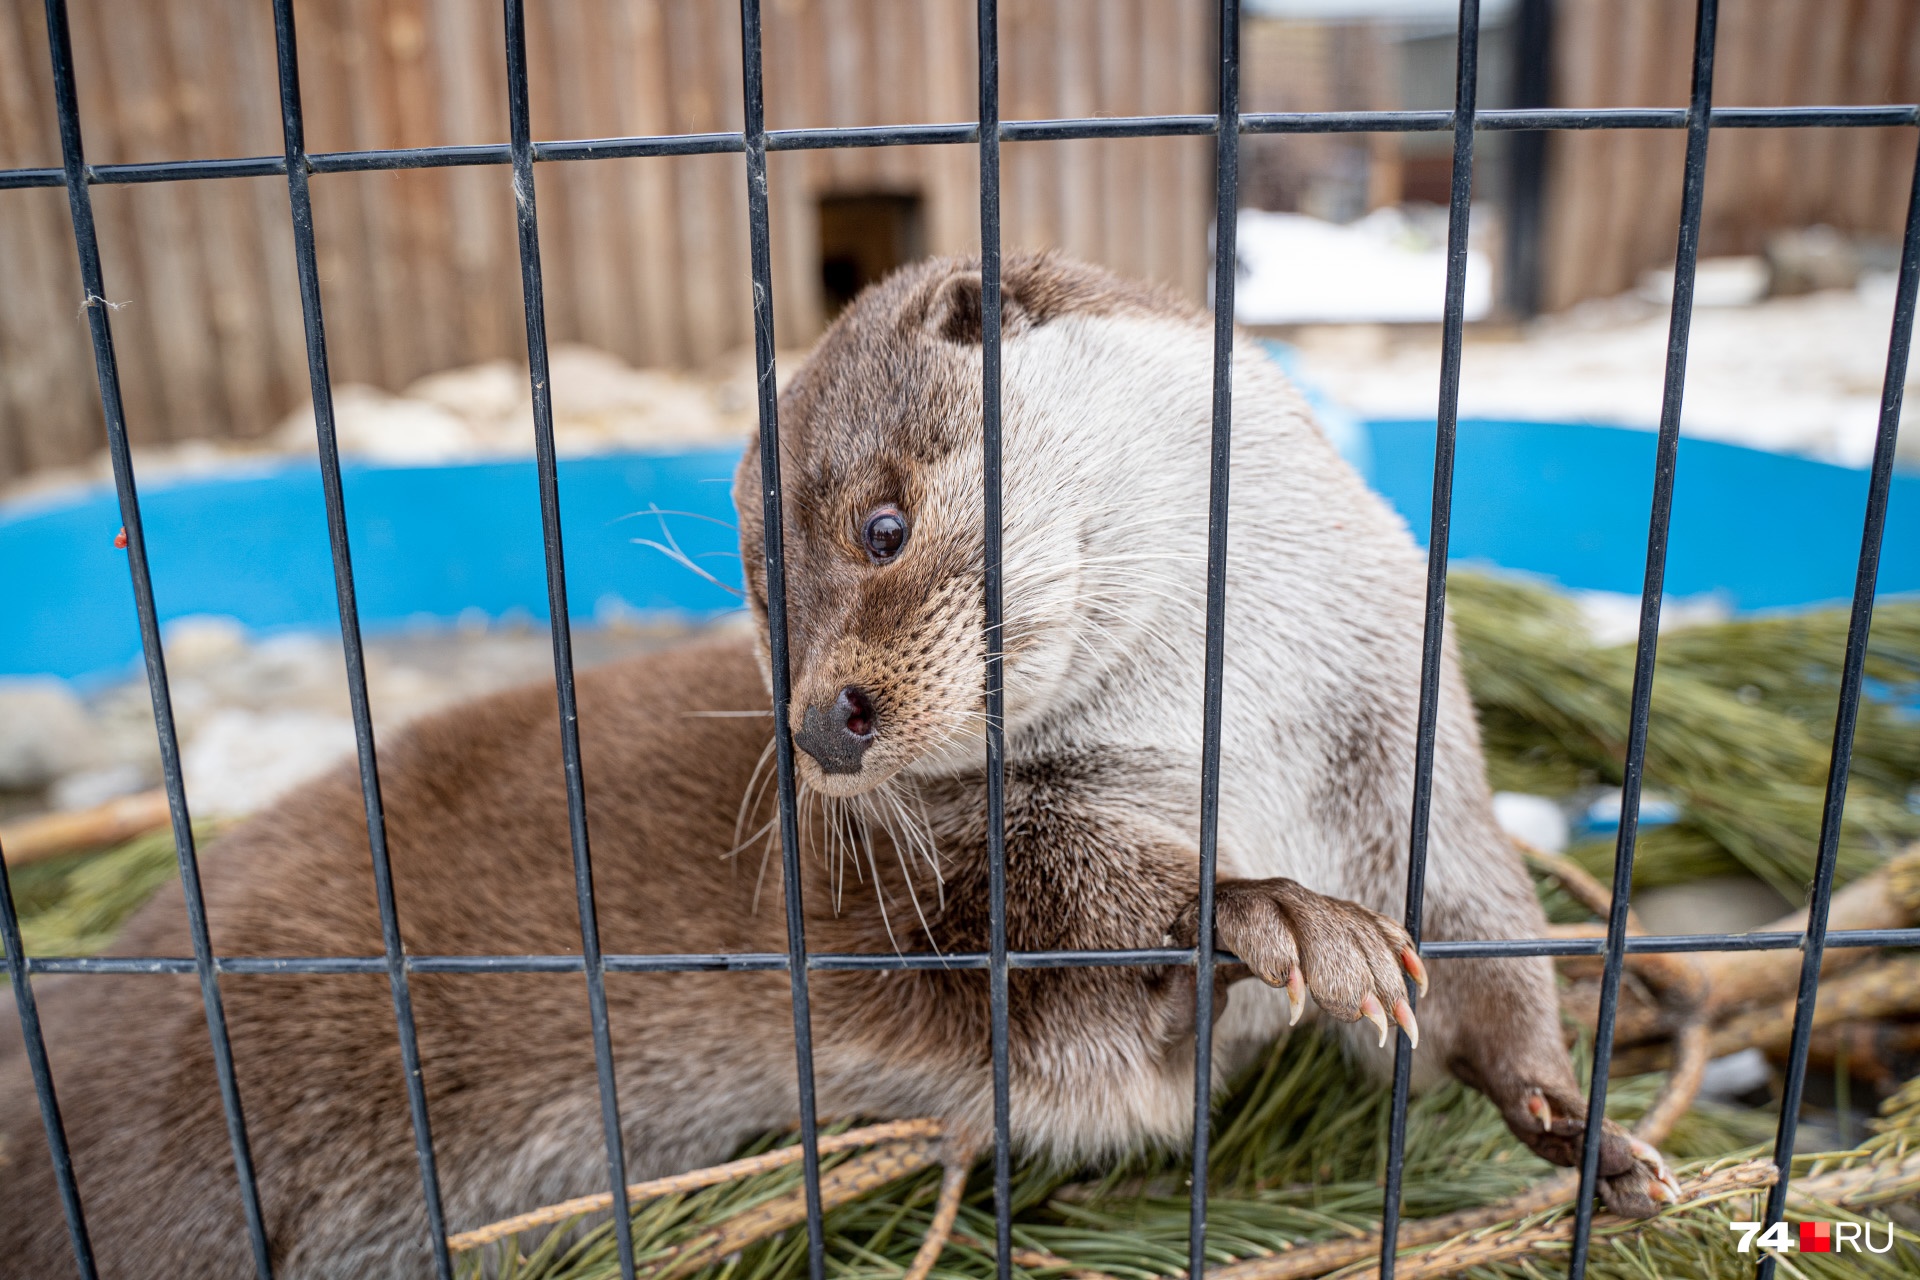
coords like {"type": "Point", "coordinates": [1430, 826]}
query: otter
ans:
{"type": "Point", "coordinates": [1107, 395]}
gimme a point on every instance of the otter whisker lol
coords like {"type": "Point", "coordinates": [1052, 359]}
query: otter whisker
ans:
{"type": "Point", "coordinates": [918, 833]}
{"type": "Point", "coordinates": [1098, 608]}
{"type": "Point", "coordinates": [744, 844]}
{"type": "Point", "coordinates": [760, 879]}
{"type": "Point", "coordinates": [685, 561]}
{"type": "Point", "coordinates": [652, 510]}
{"type": "Point", "coordinates": [749, 799]}
{"type": "Point", "coordinates": [671, 550]}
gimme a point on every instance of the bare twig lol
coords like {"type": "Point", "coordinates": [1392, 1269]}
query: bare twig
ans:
{"type": "Point", "coordinates": [52, 835]}
{"type": "Point", "coordinates": [958, 1160]}
{"type": "Point", "coordinates": [899, 1131]}
{"type": "Point", "coordinates": [1328, 1256]}
{"type": "Point", "coordinates": [868, 1171]}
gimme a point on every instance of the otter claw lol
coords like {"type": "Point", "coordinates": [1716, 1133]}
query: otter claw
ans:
{"type": "Point", "coordinates": [1663, 1188]}
{"type": "Point", "coordinates": [1403, 1014]}
{"type": "Point", "coordinates": [1296, 995]}
{"type": "Point", "coordinates": [1370, 1010]}
{"type": "Point", "coordinates": [1416, 967]}
{"type": "Point", "coordinates": [1537, 1107]}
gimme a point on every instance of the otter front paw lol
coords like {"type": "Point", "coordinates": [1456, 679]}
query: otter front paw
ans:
{"type": "Point", "coordinates": [1552, 1122]}
{"type": "Point", "coordinates": [1348, 957]}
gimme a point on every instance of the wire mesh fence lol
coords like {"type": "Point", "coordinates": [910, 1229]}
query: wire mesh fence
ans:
{"type": "Point", "coordinates": [522, 153]}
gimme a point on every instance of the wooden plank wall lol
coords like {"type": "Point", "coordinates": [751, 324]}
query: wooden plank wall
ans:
{"type": "Point", "coordinates": [1614, 198]}
{"type": "Point", "coordinates": [645, 258]}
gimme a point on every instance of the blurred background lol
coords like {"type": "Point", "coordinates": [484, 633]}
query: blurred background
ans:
{"type": "Point", "coordinates": [1341, 273]}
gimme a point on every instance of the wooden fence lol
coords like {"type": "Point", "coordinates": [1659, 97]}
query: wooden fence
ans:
{"type": "Point", "coordinates": [1613, 199]}
{"type": "Point", "coordinates": [647, 257]}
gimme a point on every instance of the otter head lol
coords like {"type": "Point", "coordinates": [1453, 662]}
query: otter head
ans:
{"type": "Point", "coordinates": [881, 473]}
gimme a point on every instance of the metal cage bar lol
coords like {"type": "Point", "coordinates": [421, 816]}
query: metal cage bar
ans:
{"type": "Point", "coordinates": [1225, 270]}
{"type": "Point", "coordinates": [962, 134]}
{"type": "Point", "coordinates": [826, 961]}
{"type": "Point", "coordinates": [300, 201]}
{"type": "Point", "coordinates": [1447, 423]}
{"type": "Point", "coordinates": [1686, 258]}
{"type": "Point", "coordinates": [755, 141]}
{"type": "Point", "coordinates": [36, 1045]}
{"type": "Point", "coordinates": [771, 505]}
{"type": "Point", "coordinates": [100, 327]}
{"type": "Point", "coordinates": [534, 298]}
{"type": "Point", "coordinates": [992, 584]}
{"type": "Point", "coordinates": [1853, 671]}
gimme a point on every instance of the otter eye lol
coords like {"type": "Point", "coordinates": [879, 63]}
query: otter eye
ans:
{"type": "Point", "coordinates": [884, 533]}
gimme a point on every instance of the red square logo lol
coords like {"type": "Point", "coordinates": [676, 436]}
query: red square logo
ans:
{"type": "Point", "coordinates": [1816, 1237]}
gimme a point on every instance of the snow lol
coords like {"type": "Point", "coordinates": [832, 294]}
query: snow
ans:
{"type": "Point", "coordinates": [1387, 266]}
{"type": "Point", "coordinates": [1798, 375]}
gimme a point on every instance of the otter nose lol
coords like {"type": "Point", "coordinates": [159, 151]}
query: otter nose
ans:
{"type": "Point", "coordinates": [838, 734]}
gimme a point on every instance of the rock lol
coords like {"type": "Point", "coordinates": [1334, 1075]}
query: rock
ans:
{"type": "Point", "coordinates": [45, 731]}
{"type": "Point", "coordinates": [1717, 282]}
{"type": "Point", "coordinates": [90, 787]}
{"type": "Point", "coordinates": [1718, 904]}
{"type": "Point", "coordinates": [479, 393]}
{"type": "Point", "coordinates": [372, 424]}
{"type": "Point", "coordinates": [1809, 259]}
{"type": "Point", "coordinates": [203, 642]}
{"type": "Point", "coordinates": [240, 761]}
{"type": "Point", "coordinates": [1535, 819]}
{"type": "Point", "coordinates": [1735, 1076]}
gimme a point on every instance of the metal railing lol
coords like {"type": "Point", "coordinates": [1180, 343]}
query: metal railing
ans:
{"type": "Point", "coordinates": [1699, 118]}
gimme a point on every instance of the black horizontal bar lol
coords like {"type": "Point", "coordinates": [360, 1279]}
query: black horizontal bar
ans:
{"type": "Point", "coordinates": [889, 135]}
{"type": "Point", "coordinates": [681, 144]}
{"type": "Point", "coordinates": [916, 135]}
{"type": "Point", "coordinates": [1110, 127]}
{"type": "Point", "coordinates": [410, 158]}
{"type": "Point", "coordinates": [757, 961]}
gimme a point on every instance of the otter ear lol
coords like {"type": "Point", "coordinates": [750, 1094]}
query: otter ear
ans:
{"type": "Point", "coordinates": [953, 312]}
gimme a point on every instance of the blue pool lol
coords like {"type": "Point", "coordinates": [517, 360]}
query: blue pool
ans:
{"type": "Point", "coordinates": [431, 544]}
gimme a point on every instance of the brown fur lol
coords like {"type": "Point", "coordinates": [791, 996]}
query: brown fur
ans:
{"type": "Point", "coordinates": [478, 827]}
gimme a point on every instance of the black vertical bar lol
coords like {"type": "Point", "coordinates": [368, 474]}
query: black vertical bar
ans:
{"type": "Point", "coordinates": [1858, 629]}
{"type": "Point", "coordinates": [534, 299]}
{"type": "Point", "coordinates": [1225, 262]}
{"type": "Point", "coordinates": [293, 128]}
{"type": "Point", "coordinates": [36, 1045]}
{"type": "Point", "coordinates": [989, 60]}
{"type": "Point", "coordinates": [1439, 535]}
{"type": "Point", "coordinates": [92, 280]}
{"type": "Point", "coordinates": [1527, 156]}
{"type": "Point", "coordinates": [1686, 256]}
{"type": "Point", "coordinates": [760, 250]}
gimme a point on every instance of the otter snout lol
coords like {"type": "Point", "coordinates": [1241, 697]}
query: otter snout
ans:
{"type": "Point", "coordinates": [838, 734]}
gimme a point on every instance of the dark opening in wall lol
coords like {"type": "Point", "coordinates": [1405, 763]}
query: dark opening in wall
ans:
{"type": "Point", "coordinates": [862, 238]}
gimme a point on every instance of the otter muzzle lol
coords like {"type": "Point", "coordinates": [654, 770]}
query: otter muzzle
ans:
{"type": "Point", "coordinates": [837, 735]}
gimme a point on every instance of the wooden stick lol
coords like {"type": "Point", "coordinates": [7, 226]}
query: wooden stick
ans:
{"type": "Point", "coordinates": [1889, 898]}
{"type": "Point", "coordinates": [897, 1131]}
{"type": "Point", "coordinates": [54, 834]}
{"type": "Point", "coordinates": [1039, 1260]}
{"type": "Point", "coordinates": [1486, 1249]}
{"type": "Point", "coordinates": [958, 1161]}
{"type": "Point", "coordinates": [1326, 1256]}
{"type": "Point", "coordinates": [866, 1172]}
